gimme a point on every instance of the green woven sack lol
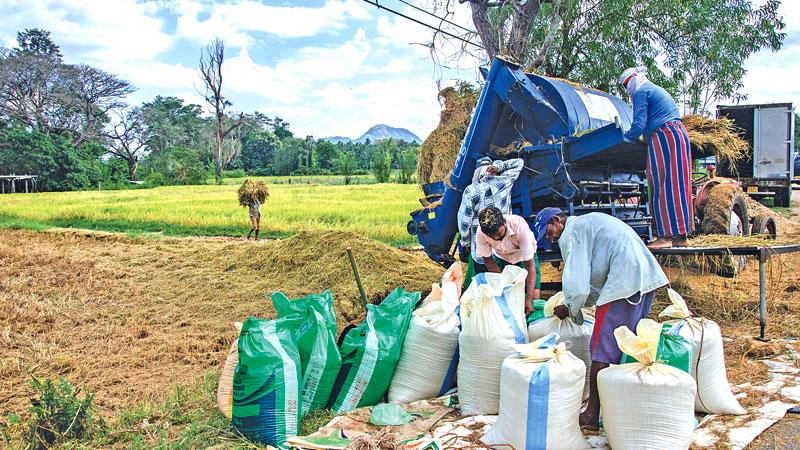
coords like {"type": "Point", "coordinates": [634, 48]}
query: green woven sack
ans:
{"type": "Point", "coordinates": [316, 340]}
{"type": "Point", "coordinates": [673, 350]}
{"type": "Point", "coordinates": [371, 350]}
{"type": "Point", "coordinates": [267, 381]}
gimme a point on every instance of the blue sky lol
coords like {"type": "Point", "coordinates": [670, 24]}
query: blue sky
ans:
{"type": "Point", "coordinates": [328, 67]}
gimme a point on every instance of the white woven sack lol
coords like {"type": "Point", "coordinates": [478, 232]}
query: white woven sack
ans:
{"type": "Point", "coordinates": [493, 322]}
{"type": "Point", "coordinates": [645, 405]}
{"type": "Point", "coordinates": [540, 399]}
{"type": "Point", "coordinates": [426, 365]}
{"type": "Point", "coordinates": [708, 358]}
{"type": "Point", "coordinates": [225, 386]}
{"type": "Point", "coordinates": [577, 336]}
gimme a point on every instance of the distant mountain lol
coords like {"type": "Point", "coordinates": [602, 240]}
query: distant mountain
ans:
{"type": "Point", "coordinates": [379, 132]}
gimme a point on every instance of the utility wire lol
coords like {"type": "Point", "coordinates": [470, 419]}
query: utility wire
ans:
{"type": "Point", "coordinates": [379, 6]}
{"type": "Point", "coordinates": [434, 15]}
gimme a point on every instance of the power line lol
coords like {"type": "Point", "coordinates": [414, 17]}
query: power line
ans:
{"type": "Point", "coordinates": [446, 33]}
{"type": "Point", "coordinates": [434, 15]}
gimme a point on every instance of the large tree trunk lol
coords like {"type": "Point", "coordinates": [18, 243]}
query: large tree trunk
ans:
{"type": "Point", "coordinates": [218, 152]}
{"type": "Point", "coordinates": [133, 164]}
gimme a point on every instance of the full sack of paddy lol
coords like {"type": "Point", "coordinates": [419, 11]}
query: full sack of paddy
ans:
{"type": "Point", "coordinates": [645, 404]}
{"type": "Point", "coordinates": [428, 362]}
{"type": "Point", "coordinates": [493, 323]}
{"type": "Point", "coordinates": [268, 381]}
{"type": "Point", "coordinates": [370, 352]}
{"type": "Point", "coordinates": [541, 390]}
{"type": "Point", "coordinates": [708, 358]}
{"type": "Point", "coordinates": [577, 336]}
{"type": "Point", "coordinates": [316, 341]}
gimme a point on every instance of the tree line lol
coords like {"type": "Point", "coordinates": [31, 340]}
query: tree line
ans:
{"type": "Point", "coordinates": [70, 125]}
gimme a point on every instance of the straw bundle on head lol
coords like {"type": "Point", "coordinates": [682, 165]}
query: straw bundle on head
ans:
{"type": "Point", "coordinates": [438, 153]}
{"type": "Point", "coordinates": [718, 136]}
{"type": "Point", "coordinates": [252, 190]}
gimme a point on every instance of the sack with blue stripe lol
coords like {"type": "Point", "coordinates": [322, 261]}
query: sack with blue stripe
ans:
{"type": "Point", "coordinates": [267, 383]}
{"type": "Point", "coordinates": [428, 362]}
{"type": "Point", "coordinates": [578, 336]}
{"type": "Point", "coordinates": [493, 323]}
{"type": "Point", "coordinates": [541, 389]}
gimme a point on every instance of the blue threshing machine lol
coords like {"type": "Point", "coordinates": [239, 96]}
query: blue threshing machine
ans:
{"type": "Point", "coordinates": [570, 138]}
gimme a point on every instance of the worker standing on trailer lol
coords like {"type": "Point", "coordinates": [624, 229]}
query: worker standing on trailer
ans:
{"type": "Point", "coordinates": [491, 186]}
{"type": "Point", "coordinates": [504, 239]}
{"type": "Point", "coordinates": [669, 162]}
{"type": "Point", "coordinates": [605, 264]}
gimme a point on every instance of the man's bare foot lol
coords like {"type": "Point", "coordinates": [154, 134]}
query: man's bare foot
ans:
{"type": "Point", "coordinates": [680, 241]}
{"type": "Point", "coordinates": [588, 422]}
{"type": "Point", "coordinates": [660, 243]}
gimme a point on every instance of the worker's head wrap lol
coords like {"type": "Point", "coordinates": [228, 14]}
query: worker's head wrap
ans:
{"type": "Point", "coordinates": [540, 223]}
{"type": "Point", "coordinates": [638, 77]}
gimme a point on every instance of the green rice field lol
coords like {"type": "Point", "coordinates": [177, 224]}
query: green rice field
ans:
{"type": "Point", "coordinates": [378, 211]}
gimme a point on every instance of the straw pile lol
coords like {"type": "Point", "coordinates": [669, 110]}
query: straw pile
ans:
{"type": "Point", "coordinates": [252, 190]}
{"type": "Point", "coordinates": [438, 153]}
{"type": "Point", "coordinates": [128, 318]}
{"type": "Point", "coordinates": [719, 137]}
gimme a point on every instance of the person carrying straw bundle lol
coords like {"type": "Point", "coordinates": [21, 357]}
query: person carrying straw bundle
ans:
{"type": "Point", "coordinates": [669, 158]}
{"type": "Point", "coordinates": [253, 194]}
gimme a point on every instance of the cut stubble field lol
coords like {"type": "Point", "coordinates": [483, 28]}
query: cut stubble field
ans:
{"type": "Point", "coordinates": [377, 211]}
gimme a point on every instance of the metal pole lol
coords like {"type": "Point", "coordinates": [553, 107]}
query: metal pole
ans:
{"type": "Point", "coordinates": [762, 294]}
{"type": "Point", "coordinates": [363, 294]}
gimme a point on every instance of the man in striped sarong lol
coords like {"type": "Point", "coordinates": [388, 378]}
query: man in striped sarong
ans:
{"type": "Point", "coordinates": [669, 161]}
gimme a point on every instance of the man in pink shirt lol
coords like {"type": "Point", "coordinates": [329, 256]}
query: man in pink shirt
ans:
{"type": "Point", "coordinates": [512, 242]}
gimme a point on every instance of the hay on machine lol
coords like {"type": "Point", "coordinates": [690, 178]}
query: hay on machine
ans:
{"type": "Point", "coordinates": [719, 137]}
{"type": "Point", "coordinates": [438, 153]}
{"type": "Point", "coordinates": [252, 190]}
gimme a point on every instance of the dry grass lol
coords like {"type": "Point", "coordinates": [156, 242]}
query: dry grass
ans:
{"type": "Point", "coordinates": [252, 190]}
{"type": "Point", "coordinates": [130, 318]}
{"type": "Point", "coordinates": [720, 137]}
{"type": "Point", "coordinates": [437, 154]}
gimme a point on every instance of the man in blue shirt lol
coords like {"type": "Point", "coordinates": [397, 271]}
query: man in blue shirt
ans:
{"type": "Point", "coordinates": [669, 162]}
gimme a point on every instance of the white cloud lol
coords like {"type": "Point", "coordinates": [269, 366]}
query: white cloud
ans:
{"type": "Point", "coordinates": [108, 30]}
{"type": "Point", "coordinates": [233, 22]}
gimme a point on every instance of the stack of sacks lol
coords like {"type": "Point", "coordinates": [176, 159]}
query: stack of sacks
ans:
{"type": "Point", "coordinates": [708, 358]}
{"type": "Point", "coordinates": [493, 322]}
{"type": "Point", "coordinates": [645, 404]}
{"type": "Point", "coordinates": [429, 358]}
{"type": "Point", "coordinates": [540, 398]}
{"type": "Point", "coordinates": [578, 336]}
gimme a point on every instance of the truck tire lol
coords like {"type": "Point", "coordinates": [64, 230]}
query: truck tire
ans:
{"type": "Point", "coordinates": [725, 212]}
{"type": "Point", "coordinates": [764, 225]}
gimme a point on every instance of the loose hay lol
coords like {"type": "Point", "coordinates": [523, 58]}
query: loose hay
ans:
{"type": "Point", "coordinates": [720, 137]}
{"type": "Point", "coordinates": [438, 153]}
{"type": "Point", "coordinates": [251, 190]}
{"type": "Point", "coordinates": [128, 319]}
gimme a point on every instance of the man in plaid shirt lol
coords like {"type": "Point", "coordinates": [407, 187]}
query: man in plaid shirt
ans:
{"type": "Point", "coordinates": [492, 188]}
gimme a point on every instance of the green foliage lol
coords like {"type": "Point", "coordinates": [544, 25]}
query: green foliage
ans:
{"type": "Point", "coordinates": [258, 151]}
{"type": "Point", "coordinates": [408, 166]}
{"type": "Point", "coordinates": [347, 165]}
{"type": "Point", "coordinates": [703, 44]}
{"type": "Point", "coordinates": [170, 124]}
{"type": "Point", "coordinates": [38, 42]}
{"type": "Point", "coordinates": [60, 165]}
{"type": "Point", "coordinates": [173, 166]}
{"type": "Point", "coordinates": [381, 166]}
{"type": "Point", "coordinates": [57, 416]}
{"type": "Point", "coordinates": [326, 154]}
